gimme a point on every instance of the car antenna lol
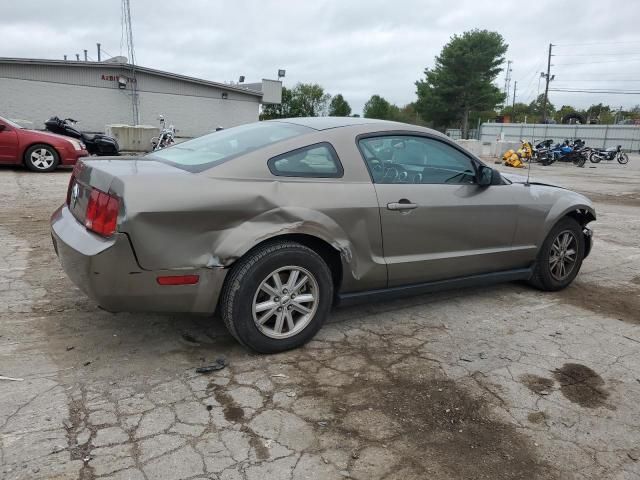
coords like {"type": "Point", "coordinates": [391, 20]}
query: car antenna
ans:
{"type": "Point", "coordinates": [529, 169]}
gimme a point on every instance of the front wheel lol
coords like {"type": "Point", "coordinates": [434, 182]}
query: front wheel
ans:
{"type": "Point", "coordinates": [560, 256]}
{"type": "Point", "coordinates": [277, 297]}
{"type": "Point", "coordinates": [41, 158]}
{"type": "Point", "coordinates": [623, 159]}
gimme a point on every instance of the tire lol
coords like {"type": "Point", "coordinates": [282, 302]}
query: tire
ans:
{"type": "Point", "coordinates": [41, 158]}
{"type": "Point", "coordinates": [623, 159]}
{"type": "Point", "coordinates": [579, 161]}
{"type": "Point", "coordinates": [250, 294]}
{"type": "Point", "coordinates": [545, 277]}
{"type": "Point", "coordinates": [594, 158]}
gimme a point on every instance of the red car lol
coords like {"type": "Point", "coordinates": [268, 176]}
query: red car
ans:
{"type": "Point", "coordinates": [38, 151]}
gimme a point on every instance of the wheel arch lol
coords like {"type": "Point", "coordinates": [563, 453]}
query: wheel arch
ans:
{"type": "Point", "coordinates": [583, 214]}
{"type": "Point", "coordinates": [329, 253]}
{"type": "Point", "coordinates": [34, 143]}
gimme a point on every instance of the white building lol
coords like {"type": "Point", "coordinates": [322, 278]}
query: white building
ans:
{"type": "Point", "coordinates": [101, 93]}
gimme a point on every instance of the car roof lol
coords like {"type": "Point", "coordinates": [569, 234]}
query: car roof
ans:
{"type": "Point", "coordinates": [325, 123]}
{"type": "Point", "coordinates": [362, 124]}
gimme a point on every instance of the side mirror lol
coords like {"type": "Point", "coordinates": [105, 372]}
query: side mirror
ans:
{"type": "Point", "coordinates": [485, 176]}
{"type": "Point", "coordinates": [488, 176]}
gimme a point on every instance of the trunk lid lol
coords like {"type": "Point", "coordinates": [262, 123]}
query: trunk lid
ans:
{"type": "Point", "coordinates": [109, 175]}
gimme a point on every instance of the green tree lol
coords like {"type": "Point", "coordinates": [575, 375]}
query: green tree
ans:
{"type": "Point", "coordinates": [462, 79]}
{"type": "Point", "coordinates": [309, 100]}
{"type": "Point", "coordinates": [339, 107]}
{"type": "Point", "coordinates": [536, 109]}
{"type": "Point", "coordinates": [518, 112]}
{"type": "Point", "coordinates": [378, 107]}
{"type": "Point", "coordinates": [303, 100]}
{"type": "Point", "coordinates": [600, 114]}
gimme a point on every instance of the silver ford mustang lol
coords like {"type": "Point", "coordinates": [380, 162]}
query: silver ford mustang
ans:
{"type": "Point", "coordinates": [274, 222]}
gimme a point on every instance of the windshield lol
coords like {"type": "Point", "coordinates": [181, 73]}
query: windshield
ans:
{"type": "Point", "coordinates": [205, 152]}
{"type": "Point", "coordinates": [10, 123]}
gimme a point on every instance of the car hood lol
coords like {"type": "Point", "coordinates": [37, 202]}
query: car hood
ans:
{"type": "Point", "coordinates": [46, 134]}
{"type": "Point", "coordinates": [515, 178]}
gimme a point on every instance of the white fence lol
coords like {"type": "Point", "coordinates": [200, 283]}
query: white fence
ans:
{"type": "Point", "coordinates": [599, 136]}
{"type": "Point", "coordinates": [456, 133]}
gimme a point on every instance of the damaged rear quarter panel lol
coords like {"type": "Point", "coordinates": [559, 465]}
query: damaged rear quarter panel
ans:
{"type": "Point", "coordinates": [213, 218]}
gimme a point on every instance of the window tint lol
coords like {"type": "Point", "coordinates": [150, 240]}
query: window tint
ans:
{"type": "Point", "coordinates": [316, 161]}
{"type": "Point", "coordinates": [205, 152]}
{"type": "Point", "coordinates": [407, 159]}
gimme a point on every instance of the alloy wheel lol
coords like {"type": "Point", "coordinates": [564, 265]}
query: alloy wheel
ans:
{"type": "Point", "coordinates": [563, 255]}
{"type": "Point", "coordinates": [42, 158]}
{"type": "Point", "coordinates": [285, 302]}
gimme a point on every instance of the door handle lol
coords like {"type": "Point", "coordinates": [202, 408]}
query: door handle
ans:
{"type": "Point", "coordinates": [402, 205]}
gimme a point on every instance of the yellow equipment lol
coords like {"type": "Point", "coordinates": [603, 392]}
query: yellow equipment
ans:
{"type": "Point", "coordinates": [515, 159]}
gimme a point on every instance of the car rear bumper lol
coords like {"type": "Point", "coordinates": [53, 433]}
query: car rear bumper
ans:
{"type": "Point", "coordinates": [107, 271]}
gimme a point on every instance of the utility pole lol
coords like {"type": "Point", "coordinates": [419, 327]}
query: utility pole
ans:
{"type": "Point", "coordinates": [515, 87]}
{"type": "Point", "coordinates": [546, 88]}
{"type": "Point", "coordinates": [98, 45]}
{"type": "Point", "coordinates": [507, 81]}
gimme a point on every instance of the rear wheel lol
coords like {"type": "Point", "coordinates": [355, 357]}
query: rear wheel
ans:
{"type": "Point", "coordinates": [277, 297]}
{"type": "Point", "coordinates": [560, 257]}
{"type": "Point", "coordinates": [623, 158]}
{"type": "Point", "coordinates": [594, 158]}
{"type": "Point", "coordinates": [41, 158]}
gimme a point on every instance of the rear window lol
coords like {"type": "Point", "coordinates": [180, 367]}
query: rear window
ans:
{"type": "Point", "coordinates": [315, 161]}
{"type": "Point", "coordinates": [210, 150]}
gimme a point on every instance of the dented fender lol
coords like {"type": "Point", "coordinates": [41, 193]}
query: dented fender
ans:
{"type": "Point", "coordinates": [212, 222]}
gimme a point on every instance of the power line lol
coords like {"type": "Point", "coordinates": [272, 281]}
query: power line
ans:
{"type": "Point", "coordinates": [613, 92]}
{"type": "Point", "coordinates": [598, 61]}
{"type": "Point", "coordinates": [593, 54]}
{"type": "Point", "coordinates": [596, 43]}
{"type": "Point", "coordinates": [599, 80]}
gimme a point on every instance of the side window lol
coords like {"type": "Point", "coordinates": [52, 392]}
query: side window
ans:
{"type": "Point", "coordinates": [315, 161]}
{"type": "Point", "coordinates": [408, 159]}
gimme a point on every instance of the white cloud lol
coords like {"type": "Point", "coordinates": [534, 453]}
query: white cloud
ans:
{"type": "Point", "coordinates": [355, 47]}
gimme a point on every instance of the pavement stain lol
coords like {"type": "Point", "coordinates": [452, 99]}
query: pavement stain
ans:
{"type": "Point", "coordinates": [537, 417]}
{"type": "Point", "coordinates": [537, 384]}
{"type": "Point", "coordinates": [231, 411]}
{"type": "Point", "coordinates": [581, 385]}
{"type": "Point", "coordinates": [435, 421]}
{"type": "Point", "coordinates": [618, 302]}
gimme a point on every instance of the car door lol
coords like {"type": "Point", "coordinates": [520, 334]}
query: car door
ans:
{"type": "Point", "coordinates": [437, 223]}
{"type": "Point", "coordinates": [8, 144]}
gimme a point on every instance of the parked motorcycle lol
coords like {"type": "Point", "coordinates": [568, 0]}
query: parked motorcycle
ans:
{"type": "Point", "coordinates": [609, 154]}
{"type": "Point", "coordinates": [575, 152]}
{"type": "Point", "coordinates": [166, 138]}
{"type": "Point", "coordinates": [542, 152]}
{"type": "Point", "coordinates": [97, 144]}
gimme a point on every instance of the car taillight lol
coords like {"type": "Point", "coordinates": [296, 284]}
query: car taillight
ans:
{"type": "Point", "coordinates": [102, 213]}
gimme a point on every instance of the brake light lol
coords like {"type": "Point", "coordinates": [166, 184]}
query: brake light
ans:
{"type": "Point", "coordinates": [102, 213]}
